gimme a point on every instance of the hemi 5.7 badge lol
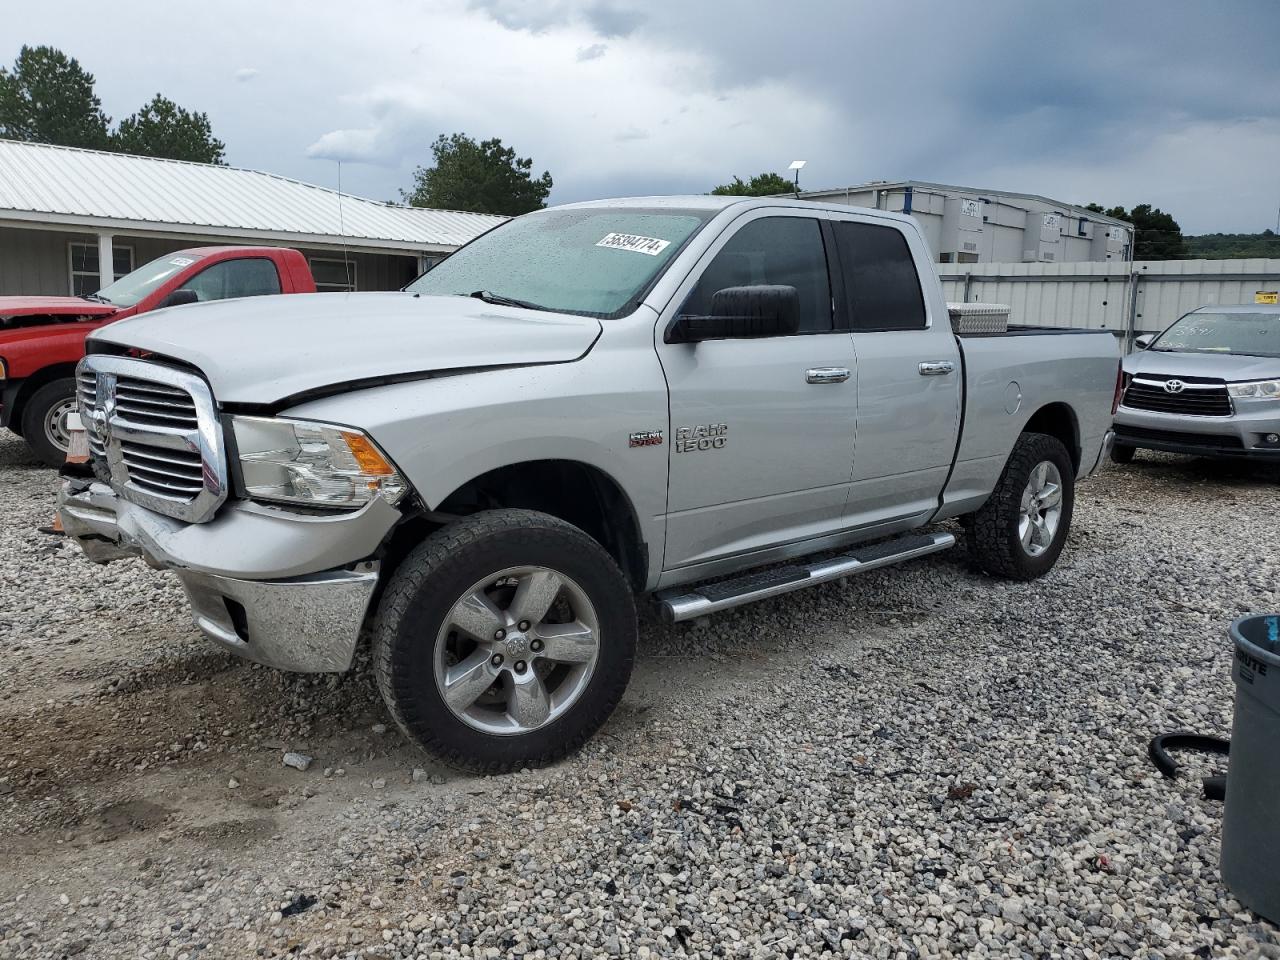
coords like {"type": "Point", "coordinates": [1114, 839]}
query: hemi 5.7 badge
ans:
{"type": "Point", "coordinates": [646, 438]}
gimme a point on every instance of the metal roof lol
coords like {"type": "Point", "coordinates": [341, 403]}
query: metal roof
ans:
{"type": "Point", "coordinates": [42, 183]}
{"type": "Point", "coordinates": [970, 191]}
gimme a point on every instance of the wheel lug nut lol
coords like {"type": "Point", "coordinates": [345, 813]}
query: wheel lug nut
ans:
{"type": "Point", "coordinates": [500, 634]}
{"type": "Point", "coordinates": [523, 625]}
{"type": "Point", "coordinates": [520, 666]}
{"type": "Point", "coordinates": [535, 646]}
{"type": "Point", "coordinates": [496, 660]}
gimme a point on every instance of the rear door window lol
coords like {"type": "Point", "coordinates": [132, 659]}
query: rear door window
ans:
{"type": "Point", "coordinates": [882, 285]}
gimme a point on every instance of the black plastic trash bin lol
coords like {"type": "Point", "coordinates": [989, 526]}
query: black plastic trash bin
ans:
{"type": "Point", "coordinates": [1251, 822]}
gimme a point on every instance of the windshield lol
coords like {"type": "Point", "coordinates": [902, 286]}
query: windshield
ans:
{"type": "Point", "coordinates": [132, 287]}
{"type": "Point", "coordinates": [593, 261]}
{"type": "Point", "coordinates": [1251, 334]}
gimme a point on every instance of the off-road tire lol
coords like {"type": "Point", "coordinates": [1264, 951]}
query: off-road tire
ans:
{"type": "Point", "coordinates": [436, 574]}
{"type": "Point", "coordinates": [38, 405]}
{"type": "Point", "coordinates": [1122, 453]}
{"type": "Point", "coordinates": [993, 538]}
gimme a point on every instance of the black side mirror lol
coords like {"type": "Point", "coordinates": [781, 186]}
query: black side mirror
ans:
{"type": "Point", "coordinates": [180, 298]}
{"type": "Point", "coordinates": [767, 310]}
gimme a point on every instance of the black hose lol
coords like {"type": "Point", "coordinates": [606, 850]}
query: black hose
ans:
{"type": "Point", "coordinates": [1215, 788]}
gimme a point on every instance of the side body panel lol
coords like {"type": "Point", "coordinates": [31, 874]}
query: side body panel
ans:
{"type": "Point", "coordinates": [759, 455]}
{"type": "Point", "coordinates": [445, 431]}
{"type": "Point", "coordinates": [1011, 378]}
{"type": "Point", "coordinates": [908, 423]}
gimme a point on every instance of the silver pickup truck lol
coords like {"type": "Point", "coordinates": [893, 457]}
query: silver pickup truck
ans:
{"type": "Point", "coordinates": [702, 401]}
{"type": "Point", "coordinates": [1209, 385]}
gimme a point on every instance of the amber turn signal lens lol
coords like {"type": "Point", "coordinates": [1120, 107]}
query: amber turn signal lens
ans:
{"type": "Point", "coordinates": [371, 461]}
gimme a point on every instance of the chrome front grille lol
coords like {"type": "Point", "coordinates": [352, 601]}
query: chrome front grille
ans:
{"type": "Point", "coordinates": [166, 473]}
{"type": "Point", "coordinates": [154, 432]}
{"type": "Point", "coordinates": [86, 394]}
{"type": "Point", "coordinates": [1188, 396]}
{"type": "Point", "coordinates": [155, 404]}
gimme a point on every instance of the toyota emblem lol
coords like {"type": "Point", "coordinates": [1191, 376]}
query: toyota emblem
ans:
{"type": "Point", "coordinates": [1174, 386]}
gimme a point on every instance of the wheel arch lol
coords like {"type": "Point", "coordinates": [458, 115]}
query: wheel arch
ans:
{"type": "Point", "coordinates": [578, 493]}
{"type": "Point", "coordinates": [29, 385]}
{"type": "Point", "coordinates": [1058, 420]}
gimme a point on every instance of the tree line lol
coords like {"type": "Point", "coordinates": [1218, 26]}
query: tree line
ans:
{"type": "Point", "coordinates": [47, 97]}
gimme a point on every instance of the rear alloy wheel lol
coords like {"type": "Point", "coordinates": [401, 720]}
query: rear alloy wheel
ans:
{"type": "Point", "coordinates": [1021, 529]}
{"type": "Point", "coordinates": [504, 640]}
{"type": "Point", "coordinates": [44, 420]}
{"type": "Point", "coordinates": [1041, 510]}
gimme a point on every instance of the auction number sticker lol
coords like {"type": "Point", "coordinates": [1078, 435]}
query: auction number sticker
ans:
{"type": "Point", "coordinates": [1267, 296]}
{"type": "Point", "coordinates": [651, 246]}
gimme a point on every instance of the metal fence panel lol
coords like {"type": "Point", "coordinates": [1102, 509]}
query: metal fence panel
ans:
{"type": "Point", "coordinates": [1139, 297]}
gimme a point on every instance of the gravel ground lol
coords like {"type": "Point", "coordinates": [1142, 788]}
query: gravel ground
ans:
{"type": "Point", "coordinates": [918, 762]}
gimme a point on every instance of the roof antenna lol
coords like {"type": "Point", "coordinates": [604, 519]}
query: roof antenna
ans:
{"type": "Point", "coordinates": [342, 232]}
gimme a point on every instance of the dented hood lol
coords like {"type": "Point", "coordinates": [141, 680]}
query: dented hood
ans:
{"type": "Point", "coordinates": [263, 350]}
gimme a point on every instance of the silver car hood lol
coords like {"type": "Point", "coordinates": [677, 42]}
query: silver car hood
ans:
{"type": "Point", "coordinates": [262, 350]}
{"type": "Point", "coordinates": [1227, 366]}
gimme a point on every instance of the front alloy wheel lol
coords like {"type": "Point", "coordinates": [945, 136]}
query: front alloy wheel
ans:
{"type": "Point", "coordinates": [517, 650]}
{"type": "Point", "coordinates": [504, 640]}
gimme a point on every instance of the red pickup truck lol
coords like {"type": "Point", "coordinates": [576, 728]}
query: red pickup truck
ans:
{"type": "Point", "coordinates": [42, 338]}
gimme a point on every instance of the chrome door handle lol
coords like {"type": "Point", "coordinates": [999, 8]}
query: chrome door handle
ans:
{"type": "Point", "coordinates": [936, 368]}
{"type": "Point", "coordinates": [826, 375]}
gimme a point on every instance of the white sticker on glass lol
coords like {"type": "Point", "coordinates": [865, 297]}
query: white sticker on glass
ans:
{"type": "Point", "coordinates": [651, 246]}
{"type": "Point", "coordinates": [181, 261]}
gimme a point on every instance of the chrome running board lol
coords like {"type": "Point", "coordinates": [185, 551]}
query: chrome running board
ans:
{"type": "Point", "coordinates": [682, 603]}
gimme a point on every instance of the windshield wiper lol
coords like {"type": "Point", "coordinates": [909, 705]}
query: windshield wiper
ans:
{"type": "Point", "coordinates": [496, 298]}
{"type": "Point", "coordinates": [96, 298]}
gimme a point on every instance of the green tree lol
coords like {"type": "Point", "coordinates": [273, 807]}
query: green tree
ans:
{"type": "Point", "coordinates": [1233, 246]}
{"type": "Point", "coordinates": [164, 129]}
{"type": "Point", "coordinates": [48, 98]}
{"type": "Point", "coordinates": [761, 185]}
{"type": "Point", "coordinates": [483, 177]}
{"type": "Point", "coordinates": [1156, 235]}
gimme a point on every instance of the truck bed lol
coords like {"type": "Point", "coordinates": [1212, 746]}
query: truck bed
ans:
{"type": "Point", "coordinates": [1010, 376]}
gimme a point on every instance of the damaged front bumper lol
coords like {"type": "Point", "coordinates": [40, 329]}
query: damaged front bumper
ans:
{"type": "Point", "coordinates": [283, 588]}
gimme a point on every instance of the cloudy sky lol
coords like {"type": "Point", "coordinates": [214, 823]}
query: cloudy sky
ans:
{"type": "Point", "coordinates": [1175, 103]}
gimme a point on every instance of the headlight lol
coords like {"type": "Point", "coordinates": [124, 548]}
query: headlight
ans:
{"type": "Point", "coordinates": [315, 464]}
{"type": "Point", "coordinates": [1257, 389]}
{"type": "Point", "coordinates": [4, 371]}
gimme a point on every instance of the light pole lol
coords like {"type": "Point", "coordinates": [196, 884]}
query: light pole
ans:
{"type": "Point", "coordinates": [797, 166]}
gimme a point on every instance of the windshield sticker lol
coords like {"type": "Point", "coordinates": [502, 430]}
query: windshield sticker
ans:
{"type": "Point", "coordinates": [181, 261]}
{"type": "Point", "coordinates": [651, 246]}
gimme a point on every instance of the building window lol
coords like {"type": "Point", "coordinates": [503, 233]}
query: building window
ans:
{"type": "Point", "coordinates": [83, 257]}
{"type": "Point", "coordinates": [334, 275]}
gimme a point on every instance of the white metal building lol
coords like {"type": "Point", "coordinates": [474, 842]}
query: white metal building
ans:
{"type": "Point", "coordinates": [72, 221]}
{"type": "Point", "coordinates": [972, 225]}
